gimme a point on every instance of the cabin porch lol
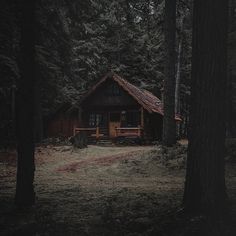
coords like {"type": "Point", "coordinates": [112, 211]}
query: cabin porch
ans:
{"type": "Point", "coordinates": [112, 124]}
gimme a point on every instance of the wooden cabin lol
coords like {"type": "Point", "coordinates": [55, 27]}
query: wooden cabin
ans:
{"type": "Point", "coordinates": [116, 109]}
{"type": "Point", "coordinates": [62, 122]}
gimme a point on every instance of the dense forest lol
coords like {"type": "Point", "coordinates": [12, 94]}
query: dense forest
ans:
{"type": "Point", "coordinates": [53, 52]}
{"type": "Point", "coordinates": [78, 42]}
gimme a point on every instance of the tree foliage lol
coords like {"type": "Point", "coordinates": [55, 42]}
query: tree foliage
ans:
{"type": "Point", "coordinates": [79, 41]}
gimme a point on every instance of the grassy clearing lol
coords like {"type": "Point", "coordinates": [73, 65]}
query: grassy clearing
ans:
{"type": "Point", "coordinates": [102, 191]}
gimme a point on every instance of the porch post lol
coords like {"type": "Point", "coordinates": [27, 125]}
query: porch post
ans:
{"type": "Point", "coordinates": [80, 121]}
{"type": "Point", "coordinates": [97, 133]}
{"type": "Point", "coordinates": [142, 117]}
{"type": "Point", "coordinates": [139, 131]}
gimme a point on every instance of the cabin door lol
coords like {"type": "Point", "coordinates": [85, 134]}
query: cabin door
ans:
{"type": "Point", "coordinates": [114, 122]}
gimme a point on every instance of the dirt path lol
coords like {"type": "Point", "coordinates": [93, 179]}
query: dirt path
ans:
{"type": "Point", "coordinates": [96, 191]}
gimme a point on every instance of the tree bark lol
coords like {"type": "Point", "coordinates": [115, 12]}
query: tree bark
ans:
{"type": "Point", "coordinates": [169, 125]}
{"type": "Point", "coordinates": [38, 116]}
{"type": "Point", "coordinates": [231, 68]}
{"type": "Point", "coordinates": [25, 195]}
{"type": "Point", "coordinates": [205, 182]}
{"type": "Point", "coordinates": [178, 72]}
{"type": "Point", "coordinates": [178, 75]}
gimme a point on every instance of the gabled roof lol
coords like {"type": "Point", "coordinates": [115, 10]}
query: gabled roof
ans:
{"type": "Point", "coordinates": [145, 98]}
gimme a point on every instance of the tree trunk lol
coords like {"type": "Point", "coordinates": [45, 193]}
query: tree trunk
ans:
{"type": "Point", "coordinates": [231, 68]}
{"type": "Point", "coordinates": [178, 74]}
{"type": "Point", "coordinates": [229, 113]}
{"type": "Point", "coordinates": [38, 116]}
{"type": "Point", "coordinates": [25, 195]}
{"type": "Point", "coordinates": [169, 125]}
{"type": "Point", "coordinates": [205, 183]}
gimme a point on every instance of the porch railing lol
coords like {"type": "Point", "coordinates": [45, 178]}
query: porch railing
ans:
{"type": "Point", "coordinates": [120, 132]}
{"type": "Point", "coordinates": [94, 132]}
{"type": "Point", "coordinates": [129, 131]}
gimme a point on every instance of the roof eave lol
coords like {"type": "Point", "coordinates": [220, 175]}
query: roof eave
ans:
{"type": "Point", "coordinates": [132, 95]}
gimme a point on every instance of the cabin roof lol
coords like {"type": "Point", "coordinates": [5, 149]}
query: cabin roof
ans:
{"type": "Point", "coordinates": [146, 99]}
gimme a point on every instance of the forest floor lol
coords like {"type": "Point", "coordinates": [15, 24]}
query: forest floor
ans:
{"type": "Point", "coordinates": [135, 190]}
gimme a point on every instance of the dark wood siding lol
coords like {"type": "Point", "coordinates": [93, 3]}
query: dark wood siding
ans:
{"type": "Point", "coordinates": [104, 97]}
{"type": "Point", "coordinates": [62, 125]}
{"type": "Point", "coordinates": [153, 126]}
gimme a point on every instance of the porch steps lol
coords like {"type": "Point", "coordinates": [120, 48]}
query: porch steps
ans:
{"type": "Point", "coordinates": [105, 141]}
{"type": "Point", "coordinates": [104, 131]}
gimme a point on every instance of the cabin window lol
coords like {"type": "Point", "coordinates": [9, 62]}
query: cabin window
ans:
{"type": "Point", "coordinates": [113, 90]}
{"type": "Point", "coordinates": [92, 120]}
{"type": "Point", "coordinates": [97, 119]}
{"type": "Point", "coordinates": [133, 119]}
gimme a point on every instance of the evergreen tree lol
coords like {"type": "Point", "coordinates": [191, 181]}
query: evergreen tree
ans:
{"type": "Point", "coordinates": [25, 195]}
{"type": "Point", "coordinates": [169, 125]}
{"type": "Point", "coordinates": [205, 183]}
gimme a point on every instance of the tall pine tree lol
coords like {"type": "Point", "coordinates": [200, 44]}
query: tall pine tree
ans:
{"type": "Point", "coordinates": [25, 195]}
{"type": "Point", "coordinates": [169, 125]}
{"type": "Point", "coordinates": [205, 182]}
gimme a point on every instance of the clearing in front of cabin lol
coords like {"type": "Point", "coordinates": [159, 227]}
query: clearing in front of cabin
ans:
{"type": "Point", "coordinates": [101, 191]}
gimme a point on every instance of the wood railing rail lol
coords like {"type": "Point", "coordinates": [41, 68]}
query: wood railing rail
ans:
{"type": "Point", "coordinates": [95, 131]}
{"type": "Point", "coordinates": [129, 131]}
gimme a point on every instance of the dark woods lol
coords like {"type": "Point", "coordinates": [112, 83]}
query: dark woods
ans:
{"type": "Point", "coordinates": [77, 42]}
{"type": "Point", "coordinates": [52, 52]}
